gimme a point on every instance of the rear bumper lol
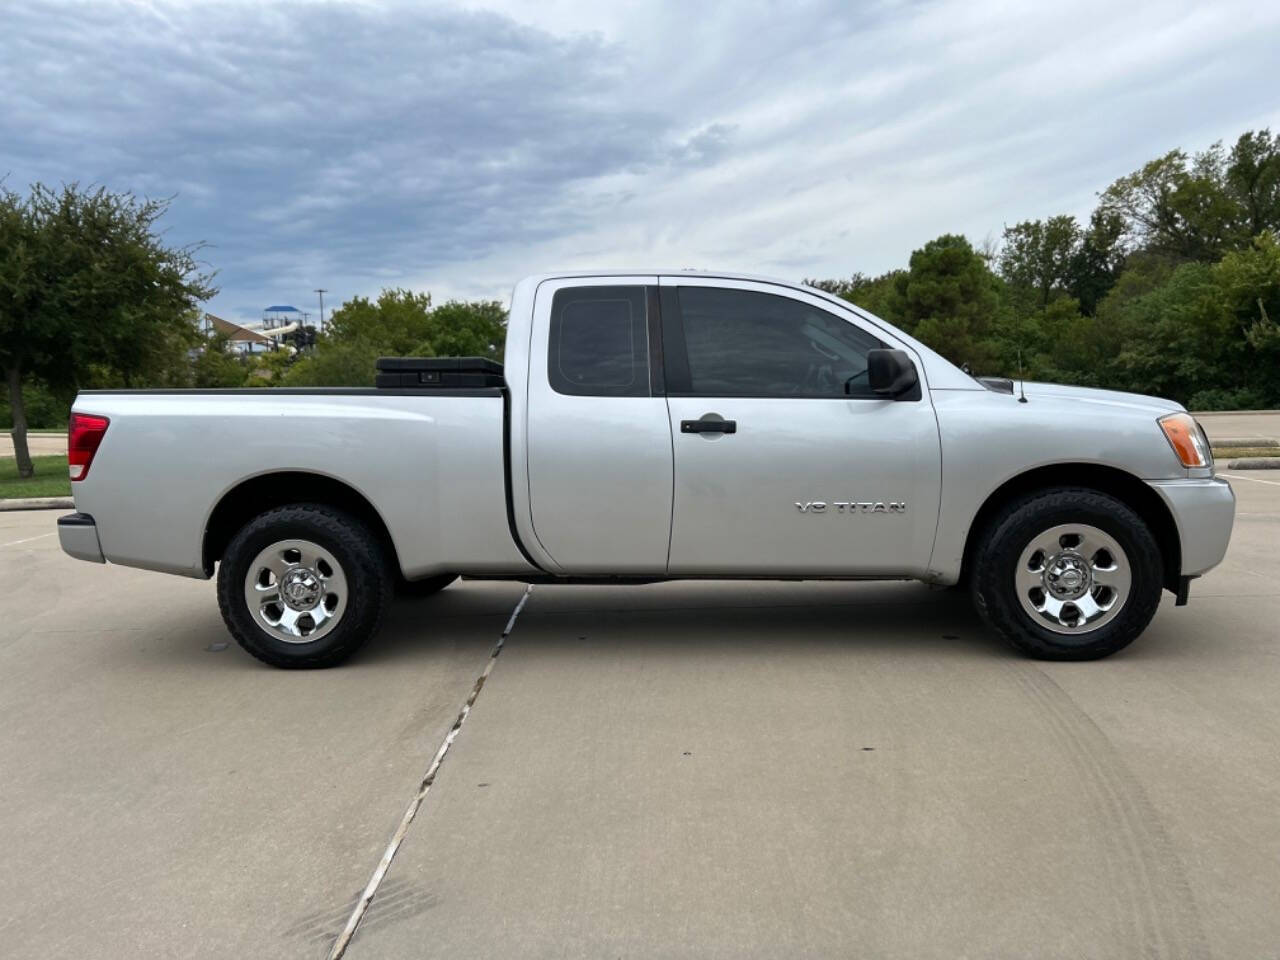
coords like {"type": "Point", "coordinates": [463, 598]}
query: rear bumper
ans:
{"type": "Point", "coordinates": [1204, 511]}
{"type": "Point", "coordinates": [78, 535]}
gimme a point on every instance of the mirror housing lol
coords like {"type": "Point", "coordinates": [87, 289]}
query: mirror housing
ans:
{"type": "Point", "coordinates": [891, 373]}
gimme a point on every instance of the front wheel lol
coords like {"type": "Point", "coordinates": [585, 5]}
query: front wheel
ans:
{"type": "Point", "coordinates": [303, 586]}
{"type": "Point", "coordinates": [1067, 574]}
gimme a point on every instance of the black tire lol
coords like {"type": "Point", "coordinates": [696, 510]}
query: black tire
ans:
{"type": "Point", "coordinates": [423, 588]}
{"type": "Point", "coordinates": [1001, 545]}
{"type": "Point", "coordinates": [363, 564]}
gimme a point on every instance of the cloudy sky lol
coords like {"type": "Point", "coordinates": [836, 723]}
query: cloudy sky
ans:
{"type": "Point", "coordinates": [455, 147]}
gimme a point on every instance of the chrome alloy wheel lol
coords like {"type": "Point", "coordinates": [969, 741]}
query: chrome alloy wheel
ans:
{"type": "Point", "coordinates": [1073, 578]}
{"type": "Point", "coordinates": [296, 591]}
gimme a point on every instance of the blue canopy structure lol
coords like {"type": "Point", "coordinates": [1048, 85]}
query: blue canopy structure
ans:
{"type": "Point", "coordinates": [282, 309]}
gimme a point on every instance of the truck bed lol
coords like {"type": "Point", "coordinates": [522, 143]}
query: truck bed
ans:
{"type": "Point", "coordinates": [431, 463]}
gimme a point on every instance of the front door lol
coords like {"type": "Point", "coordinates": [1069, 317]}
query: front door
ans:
{"type": "Point", "coordinates": [599, 441]}
{"type": "Point", "coordinates": [785, 462]}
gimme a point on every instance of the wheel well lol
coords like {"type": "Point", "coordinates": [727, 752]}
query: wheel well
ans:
{"type": "Point", "coordinates": [257, 495]}
{"type": "Point", "coordinates": [1119, 484]}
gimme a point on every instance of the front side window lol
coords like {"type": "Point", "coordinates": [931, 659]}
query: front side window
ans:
{"type": "Point", "coordinates": [746, 344]}
{"type": "Point", "coordinates": [599, 342]}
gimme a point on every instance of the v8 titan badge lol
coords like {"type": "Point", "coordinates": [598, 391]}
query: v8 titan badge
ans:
{"type": "Point", "coordinates": [853, 506]}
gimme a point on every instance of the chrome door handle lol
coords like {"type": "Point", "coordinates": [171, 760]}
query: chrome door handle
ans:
{"type": "Point", "coordinates": [708, 426]}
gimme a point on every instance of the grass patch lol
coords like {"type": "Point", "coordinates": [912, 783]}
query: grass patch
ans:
{"type": "Point", "coordinates": [50, 478]}
{"type": "Point", "coordinates": [1237, 453]}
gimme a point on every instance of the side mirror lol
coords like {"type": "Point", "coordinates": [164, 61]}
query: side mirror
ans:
{"type": "Point", "coordinates": [890, 373]}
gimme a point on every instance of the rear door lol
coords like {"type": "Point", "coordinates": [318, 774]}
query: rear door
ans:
{"type": "Point", "coordinates": [785, 462]}
{"type": "Point", "coordinates": [599, 438]}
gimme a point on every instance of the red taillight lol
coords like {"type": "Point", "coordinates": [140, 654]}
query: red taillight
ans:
{"type": "Point", "coordinates": [83, 436]}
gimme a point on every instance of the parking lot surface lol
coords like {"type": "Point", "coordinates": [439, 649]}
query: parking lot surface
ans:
{"type": "Point", "coordinates": [682, 770]}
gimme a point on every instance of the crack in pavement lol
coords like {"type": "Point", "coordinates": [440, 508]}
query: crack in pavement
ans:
{"type": "Point", "coordinates": [371, 888]}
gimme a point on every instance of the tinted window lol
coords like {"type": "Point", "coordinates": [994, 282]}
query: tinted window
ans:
{"type": "Point", "coordinates": [746, 344]}
{"type": "Point", "coordinates": [599, 342]}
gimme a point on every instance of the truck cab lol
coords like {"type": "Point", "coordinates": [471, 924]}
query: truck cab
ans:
{"type": "Point", "coordinates": [703, 426]}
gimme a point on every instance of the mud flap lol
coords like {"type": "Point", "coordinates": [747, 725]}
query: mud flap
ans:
{"type": "Point", "coordinates": [1184, 590]}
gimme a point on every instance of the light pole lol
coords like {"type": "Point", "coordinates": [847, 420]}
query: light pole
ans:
{"type": "Point", "coordinates": [322, 292]}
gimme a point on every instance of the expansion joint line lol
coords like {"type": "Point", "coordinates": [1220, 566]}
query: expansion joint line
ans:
{"type": "Point", "coordinates": [371, 889]}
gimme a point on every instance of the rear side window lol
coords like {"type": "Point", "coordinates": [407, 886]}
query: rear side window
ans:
{"type": "Point", "coordinates": [742, 343]}
{"type": "Point", "coordinates": [599, 342]}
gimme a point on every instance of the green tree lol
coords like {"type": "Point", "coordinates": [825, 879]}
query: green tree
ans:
{"type": "Point", "coordinates": [845, 289]}
{"type": "Point", "coordinates": [1173, 287]}
{"type": "Point", "coordinates": [86, 281]}
{"type": "Point", "coordinates": [43, 408]}
{"type": "Point", "coordinates": [1249, 285]}
{"type": "Point", "coordinates": [213, 366]}
{"type": "Point", "coordinates": [467, 329]}
{"type": "Point", "coordinates": [1169, 339]}
{"type": "Point", "coordinates": [1098, 261]}
{"type": "Point", "coordinates": [1253, 180]}
{"type": "Point", "coordinates": [880, 295]}
{"type": "Point", "coordinates": [1204, 334]}
{"type": "Point", "coordinates": [335, 364]}
{"type": "Point", "coordinates": [1037, 257]}
{"type": "Point", "coordinates": [1061, 345]}
{"type": "Point", "coordinates": [951, 300]}
{"type": "Point", "coordinates": [1179, 206]}
{"type": "Point", "coordinates": [399, 323]}
{"type": "Point", "coordinates": [398, 319]}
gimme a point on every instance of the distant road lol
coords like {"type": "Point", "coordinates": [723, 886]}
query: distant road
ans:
{"type": "Point", "coordinates": [40, 444]}
{"type": "Point", "coordinates": [1229, 425]}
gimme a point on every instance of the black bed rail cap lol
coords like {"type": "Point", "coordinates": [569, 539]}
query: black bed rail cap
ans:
{"type": "Point", "coordinates": [454, 364]}
{"type": "Point", "coordinates": [438, 372]}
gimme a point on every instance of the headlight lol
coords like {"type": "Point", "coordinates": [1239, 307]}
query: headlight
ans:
{"type": "Point", "coordinates": [1187, 439]}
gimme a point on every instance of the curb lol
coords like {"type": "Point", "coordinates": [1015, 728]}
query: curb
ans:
{"type": "Point", "coordinates": [1227, 443]}
{"type": "Point", "coordinates": [1233, 413]}
{"type": "Point", "coordinates": [41, 503]}
{"type": "Point", "coordinates": [1255, 463]}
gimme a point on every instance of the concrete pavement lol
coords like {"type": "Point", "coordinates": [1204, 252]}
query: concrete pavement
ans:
{"type": "Point", "coordinates": [164, 795]}
{"type": "Point", "coordinates": [689, 769]}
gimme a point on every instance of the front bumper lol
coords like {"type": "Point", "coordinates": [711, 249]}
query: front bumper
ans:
{"type": "Point", "coordinates": [1204, 511]}
{"type": "Point", "coordinates": [78, 535]}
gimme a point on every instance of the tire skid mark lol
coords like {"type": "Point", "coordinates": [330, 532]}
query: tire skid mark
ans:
{"type": "Point", "coordinates": [1117, 850]}
{"type": "Point", "coordinates": [1144, 862]}
{"type": "Point", "coordinates": [1160, 910]}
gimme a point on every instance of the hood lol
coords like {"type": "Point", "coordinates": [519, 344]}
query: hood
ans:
{"type": "Point", "coordinates": [1112, 398]}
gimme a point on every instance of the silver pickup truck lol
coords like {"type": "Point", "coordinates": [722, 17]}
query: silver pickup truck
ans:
{"type": "Point", "coordinates": [652, 426]}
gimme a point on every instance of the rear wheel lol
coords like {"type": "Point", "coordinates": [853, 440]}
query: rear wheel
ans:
{"type": "Point", "coordinates": [303, 586]}
{"type": "Point", "coordinates": [1067, 574]}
